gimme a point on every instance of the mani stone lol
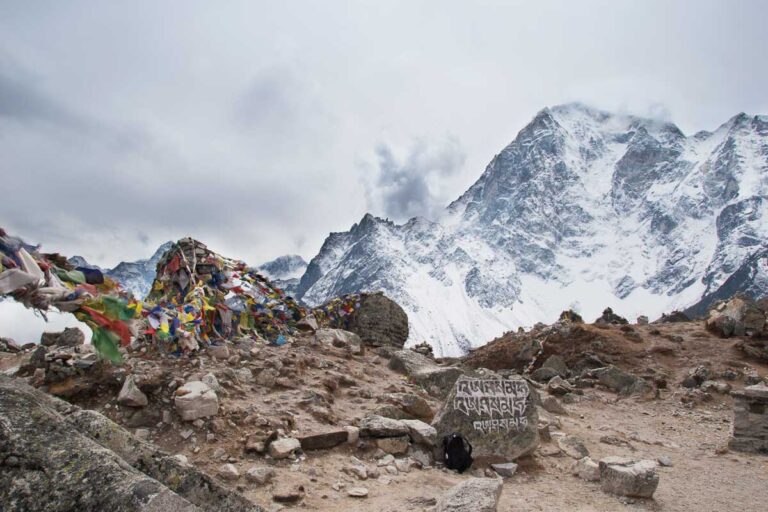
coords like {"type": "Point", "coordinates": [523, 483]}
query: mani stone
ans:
{"type": "Point", "coordinates": [627, 477]}
{"type": "Point", "coordinates": [196, 400]}
{"type": "Point", "coordinates": [473, 495]}
{"type": "Point", "coordinates": [131, 395]}
{"type": "Point", "coordinates": [497, 416]}
{"type": "Point", "coordinates": [750, 419]}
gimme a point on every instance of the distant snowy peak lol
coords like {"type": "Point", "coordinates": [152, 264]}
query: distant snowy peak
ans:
{"type": "Point", "coordinates": [79, 261]}
{"type": "Point", "coordinates": [137, 276]}
{"type": "Point", "coordinates": [583, 209]}
{"type": "Point", "coordinates": [290, 266]}
{"type": "Point", "coordinates": [285, 271]}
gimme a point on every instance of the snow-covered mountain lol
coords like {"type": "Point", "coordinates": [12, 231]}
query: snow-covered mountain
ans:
{"type": "Point", "coordinates": [285, 271]}
{"type": "Point", "coordinates": [134, 276]}
{"type": "Point", "coordinates": [584, 209]}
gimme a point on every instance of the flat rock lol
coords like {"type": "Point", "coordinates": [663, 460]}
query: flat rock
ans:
{"type": "Point", "coordinates": [473, 495]}
{"type": "Point", "coordinates": [553, 405]}
{"type": "Point", "coordinates": [323, 440]}
{"type": "Point", "coordinates": [379, 426]}
{"type": "Point", "coordinates": [411, 404]}
{"type": "Point", "coordinates": [357, 492]}
{"type": "Point", "coordinates": [627, 477]}
{"type": "Point", "coordinates": [228, 472]}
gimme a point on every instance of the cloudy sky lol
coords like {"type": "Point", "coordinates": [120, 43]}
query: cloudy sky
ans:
{"type": "Point", "coordinates": [260, 127]}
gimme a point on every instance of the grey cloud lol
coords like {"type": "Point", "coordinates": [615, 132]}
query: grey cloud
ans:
{"type": "Point", "coordinates": [410, 187]}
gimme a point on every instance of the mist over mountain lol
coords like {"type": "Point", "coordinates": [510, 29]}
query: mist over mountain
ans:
{"type": "Point", "coordinates": [583, 209]}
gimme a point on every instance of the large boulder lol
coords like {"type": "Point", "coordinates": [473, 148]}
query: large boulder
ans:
{"type": "Point", "coordinates": [69, 337]}
{"type": "Point", "coordinates": [497, 415]}
{"type": "Point", "coordinates": [379, 321]}
{"type": "Point", "coordinates": [473, 495]}
{"type": "Point", "coordinates": [739, 316]}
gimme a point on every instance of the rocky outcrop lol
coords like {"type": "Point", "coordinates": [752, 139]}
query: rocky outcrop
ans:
{"type": "Point", "coordinates": [739, 316]}
{"type": "Point", "coordinates": [69, 337]}
{"type": "Point", "coordinates": [56, 457]}
{"type": "Point", "coordinates": [435, 379]}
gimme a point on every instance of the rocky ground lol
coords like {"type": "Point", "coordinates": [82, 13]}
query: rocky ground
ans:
{"type": "Point", "coordinates": [268, 396]}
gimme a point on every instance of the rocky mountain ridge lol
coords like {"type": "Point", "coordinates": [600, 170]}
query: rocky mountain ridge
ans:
{"type": "Point", "coordinates": [583, 209]}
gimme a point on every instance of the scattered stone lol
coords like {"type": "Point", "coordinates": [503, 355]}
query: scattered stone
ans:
{"type": "Point", "coordinates": [341, 339]}
{"type": "Point", "coordinates": [211, 381]}
{"type": "Point", "coordinates": [472, 495]}
{"type": "Point", "coordinates": [228, 472]}
{"type": "Point", "coordinates": [505, 470]}
{"type": "Point", "coordinates": [284, 448]}
{"type": "Point", "coordinates": [549, 450]}
{"type": "Point", "coordinates": [379, 426]}
{"type": "Point", "coordinates": [551, 404]}
{"type": "Point", "coordinates": [557, 363]}
{"type": "Point", "coordinates": [421, 432]}
{"type": "Point", "coordinates": [356, 469]}
{"type": "Point", "coordinates": [664, 461]}
{"type": "Point", "coordinates": [558, 386]}
{"type": "Point", "coordinates": [357, 492]}
{"type": "Point", "coordinates": [627, 477]}
{"type": "Point", "coordinates": [404, 465]}
{"type": "Point", "coordinates": [130, 394]}
{"type": "Point", "coordinates": [620, 381]}
{"type": "Point", "coordinates": [572, 446]}
{"type": "Point", "coordinates": [586, 469]}
{"type": "Point", "coordinates": [260, 475]}
{"type": "Point", "coordinates": [288, 494]}
{"type": "Point", "coordinates": [218, 352]}
{"type": "Point", "coordinates": [196, 400]}
{"type": "Point", "coordinates": [543, 374]}
{"type": "Point", "coordinates": [267, 377]}
{"type": "Point", "coordinates": [142, 433]}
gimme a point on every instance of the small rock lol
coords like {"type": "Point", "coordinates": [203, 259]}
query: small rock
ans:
{"type": "Point", "coordinates": [357, 492]}
{"type": "Point", "coordinates": [664, 461]}
{"type": "Point", "coordinates": [353, 434]}
{"type": "Point", "coordinates": [260, 475]}
{"type": "Point", "coordinates": [379, 426]}
{"type": "Point", "coordinates": [284, 448]}
{"type": "Point", "coordinates": [505, 470]}
{"type": "Point", "coordinates": [142, 433]}
{"type": "Point", "coordinates": [218, 352]}
{"type": "Point", "coordinates": [288, 494]}
{"type": "Point", "coordinates": [421, 433]}
{"type": "Point", "coordinates": [130, 394]}
{"type": "Point", "coordinates": [228, 472]}
{"type": "Point", "coordinates": [573, 447]}
{"type": "Point", "coordinates": [551, 404]}
{"type": "Point", "coordinates": [210, 380]}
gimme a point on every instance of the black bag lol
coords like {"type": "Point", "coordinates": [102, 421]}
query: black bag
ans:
{"type": "Point", "coordinates": [457, 452]}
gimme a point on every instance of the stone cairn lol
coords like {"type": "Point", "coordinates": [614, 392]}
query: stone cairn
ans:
{"type": "Point", "coordinates": [750, 422]}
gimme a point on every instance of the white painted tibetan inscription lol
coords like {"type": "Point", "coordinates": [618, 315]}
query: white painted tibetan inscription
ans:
{"type": "Point", "coordinates": [494, 404]}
